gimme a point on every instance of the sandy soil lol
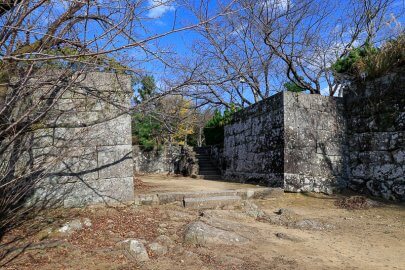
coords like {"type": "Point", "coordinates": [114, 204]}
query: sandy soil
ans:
{"type": "Point", "coordinates": [360, 239]}
{"type": "Point", "coordinates": [159, 183]}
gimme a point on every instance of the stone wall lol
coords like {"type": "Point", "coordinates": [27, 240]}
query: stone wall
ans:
{"type": "Point", "coordinates": [167, 159]}
{"type": "Point", "coordinates": [314, 143]}
{"type": "Point", "coordinates": [376, 134]}
{"type": "Point", "coordinates": [156, 160]}
{"type": "Point", "coordinates": [88, 150]}
{"type": "Point", "coordinates": [254, 144]}
{"type": "Point", "coordinates": [290, 140]}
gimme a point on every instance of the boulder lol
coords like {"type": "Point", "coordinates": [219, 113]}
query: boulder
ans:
{"type": "Point", "coordinates": [135, 249]}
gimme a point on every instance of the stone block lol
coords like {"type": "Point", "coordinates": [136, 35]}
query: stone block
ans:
{"type": "Point", "coordinates": [211, 202]}
{"type": "Point", "coordinates": [111, 132]}
{"type": "Point", "coordinates": [115, 161]}
{"type": "Point", "coordinates": [112, 190]}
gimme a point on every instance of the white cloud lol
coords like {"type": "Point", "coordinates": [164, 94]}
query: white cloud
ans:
{"type": "Point", "coordinates": [281, 5]}
{"type": "Point", "coordinates": [158, 8]}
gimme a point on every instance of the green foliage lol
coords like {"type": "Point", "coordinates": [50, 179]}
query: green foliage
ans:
{"type": "Point", "coordinates": [347, 64]}
{"type": "Point", "coordinates": [369, 62]}
{"type": "Point", "coordinates": [214, 135]}
{"type": "Point", "coordinates": [222, 119]}
{"type": "Point", "coordinates": [293, 87]}
{"type": "Point", "coordinates": [145, 131]}
{"type": "Point", "coordinates": [214, 129]}
{"type": "Point", "coordinates": [147, 89]}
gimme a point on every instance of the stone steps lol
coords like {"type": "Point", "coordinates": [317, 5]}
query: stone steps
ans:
{"type": "Point", "coordinates": [210, 196]}
{"type": "Point", "coordinates": [211, 202]}
{"type": "Point", "coordinates": [207, 170]}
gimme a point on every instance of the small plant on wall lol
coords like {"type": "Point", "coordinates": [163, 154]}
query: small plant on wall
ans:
{"type": "Point", "coordinates": [368, 62]}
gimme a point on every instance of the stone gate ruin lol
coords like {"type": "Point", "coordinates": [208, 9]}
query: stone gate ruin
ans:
{"type": "Point", "coordinates": [315, 143]}
{"type": "Point", "coordinates": [295, 141]}
{"type": "Point", "coordinates": [289, 140]}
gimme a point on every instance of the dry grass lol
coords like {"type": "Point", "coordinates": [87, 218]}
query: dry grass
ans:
{"type": "Point", "coordinates": [379, 63]}
{"type": "Point", "coordinates": [355, 203]}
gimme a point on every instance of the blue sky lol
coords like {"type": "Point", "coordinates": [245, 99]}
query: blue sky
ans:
{"type": "Point", "coordinates": [164, 15]}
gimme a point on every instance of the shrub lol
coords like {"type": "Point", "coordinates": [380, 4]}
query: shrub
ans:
{"type": "Point", "coordinates": [368, 62]}
{"type": "Point", "coordinates": [293, 87]}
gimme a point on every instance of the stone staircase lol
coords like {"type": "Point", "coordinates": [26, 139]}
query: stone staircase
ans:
{"type": "Point", "coordinates": [207, 170]}
{"type": "Point", "coordinates": [208, 199]}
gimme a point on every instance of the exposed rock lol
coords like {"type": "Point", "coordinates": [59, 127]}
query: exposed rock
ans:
{"type": "Point", "coordinates": [287, 237]}
{"type": "Point", "coordinates": [75, 225]}
{"type": "Point", "coordinates": [287, 217]}
{"type": "Point", "coordinates": [87, 222]}
{"type": "Point", "coordinates": [199, 233]}
{"type": "Point", "coordinates": [283, 216]}
{"type": "Point", "coordinates": [211, 202]}
{"type": "Point", "coordinates": [157, 248]}
{"type": "Point", "coordinates": [71, 226]}
{"type": "Point", "coordinates": [135, 249]}
{"type": "Point", "coordinates": [253, 210]}
{"type": "Point", "coordinates": [311, 224]}
{"type": "Point", "coordinates": [233, 226]}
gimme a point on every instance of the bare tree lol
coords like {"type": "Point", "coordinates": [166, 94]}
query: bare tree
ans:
{"type": "Point", "coordinates": [309, 36]}
{"type": "Point", "coordinates": [252, 52]}
{"type": "Point", "coordinates": [46, 47]}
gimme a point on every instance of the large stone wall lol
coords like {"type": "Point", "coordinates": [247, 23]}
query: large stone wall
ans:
{"type": "Point", "coordinates": [289, 140]}
{"type": "Point", "coordinates": [254, 143]}
{"type": "Point", "coordinates": [88, 150]}
{"type": "Point", "coordinates": [314, 143]}
{"type": "Point", "coordinates": [376, 134]}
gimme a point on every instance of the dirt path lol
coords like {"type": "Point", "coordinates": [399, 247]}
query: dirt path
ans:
{"type": "Point", "coordinates": [359, 239]}
{"type": "Point", "coordinates": [162, 183]}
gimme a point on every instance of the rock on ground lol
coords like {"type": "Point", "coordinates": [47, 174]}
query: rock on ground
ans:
{"type": "Point", "coordinates": [252, 210]}
{"type": "Point", "coordinates": [199, 233]}
{"type": "Point", "coordinates": [75, 225]}
{"type": "Point", "coordinates": [285, 236]}
{"type": "Point", "coordinates": [135, 249]}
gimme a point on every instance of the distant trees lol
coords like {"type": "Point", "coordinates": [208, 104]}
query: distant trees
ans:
{"type": "Point", "coordinates": [214, 129]}
{"type": "Point", "coordinates": [168, 119]}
